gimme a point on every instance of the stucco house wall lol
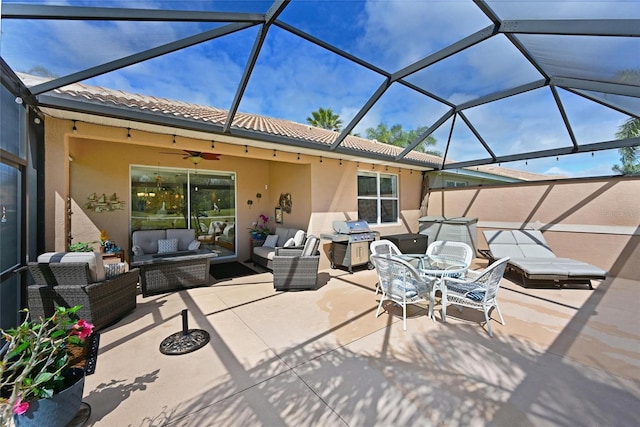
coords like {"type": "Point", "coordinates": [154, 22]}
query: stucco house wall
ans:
{"type": "Point", "coordinates": [97, 159]}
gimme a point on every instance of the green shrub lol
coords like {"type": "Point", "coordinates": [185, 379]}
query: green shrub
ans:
{"type": "Point", "coordinates": [81, 247]}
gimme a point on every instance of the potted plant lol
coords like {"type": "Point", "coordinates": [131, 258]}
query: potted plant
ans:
{"type": "Point", "coordinates": [104, 240]}
{"type": "Point", "coordinates": [81, 247]}
{"type": "Point", "coordinates": [259, 229]}
{"type": "Point", "coordinates": [35, 377]}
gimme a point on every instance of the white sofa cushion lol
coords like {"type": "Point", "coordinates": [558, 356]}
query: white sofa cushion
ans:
{"type": "Point", "coordinates": [93, 259]}
{"type": "Point", "coordinates": [311, 246]}
{"type": "Point", "coordinates": [298, 238]}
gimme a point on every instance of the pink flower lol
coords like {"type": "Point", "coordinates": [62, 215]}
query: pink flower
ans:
{"type": "Point", "coordinates": [20, 407]}
{"type": "Point", "coordinates": [82, 329]}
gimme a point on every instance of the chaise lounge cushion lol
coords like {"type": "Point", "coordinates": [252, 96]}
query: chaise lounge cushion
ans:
{"type": "Point", "coordinates": [529, 252]}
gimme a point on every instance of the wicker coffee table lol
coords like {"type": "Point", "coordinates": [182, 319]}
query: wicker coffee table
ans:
{"type": "Point", "coordinates": [174, 273]}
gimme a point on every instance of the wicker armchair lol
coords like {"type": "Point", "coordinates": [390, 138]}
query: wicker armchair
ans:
{"type": "Point", "coordinates": [297, 268]}
{"type": "Point", "coordinates": [67, 284]}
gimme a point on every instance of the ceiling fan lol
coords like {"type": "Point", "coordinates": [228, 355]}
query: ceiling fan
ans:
{"type": "Point", "coordinates": [196, 156]}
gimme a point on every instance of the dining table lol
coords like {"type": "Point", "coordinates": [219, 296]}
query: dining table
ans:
{"type": "Point", "coordinates": [436, 267]}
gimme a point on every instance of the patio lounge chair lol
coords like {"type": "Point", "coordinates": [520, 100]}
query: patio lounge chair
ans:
{"type": "Point", "coordinates": [534, 262]}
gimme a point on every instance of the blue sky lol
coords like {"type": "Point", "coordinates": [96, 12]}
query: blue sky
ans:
{"type": "Point", "coordinates": [293, 77]}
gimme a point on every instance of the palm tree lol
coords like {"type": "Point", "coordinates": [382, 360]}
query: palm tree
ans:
{"type": "Point", "coordinates": [629, 156]}
{"type": "Point", "coordinates": [400, 138]}
{"type": "Point", "coordinates": [325, 119]}
{"type": "Point", "coordinates": [630, 163]}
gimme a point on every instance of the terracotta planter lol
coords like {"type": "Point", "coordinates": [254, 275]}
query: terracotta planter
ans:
{"type": "Point", "coordinates": [58, 410]}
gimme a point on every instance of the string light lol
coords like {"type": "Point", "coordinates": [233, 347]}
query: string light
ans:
{"type": "Point", "coordinates": [320, 159]}
{"type": "Point", "coordinates": [298, 156]}
{"type": "Point", "coordinates": [75, 129]}
{"type": "Point", "coordinates": [174, 140]}
{"type": "Point", "coordinates": [246, 148]}
{"type": "Point", "coordinates": [274, 153]}
{"type": "Point", "coordinates": [213, 145]}
{"type": "Point", "coordinates": [340, 162]}
{"type": "Point", "coordinates": [129, 133]}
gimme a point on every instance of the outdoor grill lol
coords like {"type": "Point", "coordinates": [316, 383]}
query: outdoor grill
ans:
{"type": "Point", "coordinates": [350, 243]}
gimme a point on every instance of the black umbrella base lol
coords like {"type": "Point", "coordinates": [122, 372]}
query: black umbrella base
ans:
{"type": "Point", "coordinates": [184, 342]}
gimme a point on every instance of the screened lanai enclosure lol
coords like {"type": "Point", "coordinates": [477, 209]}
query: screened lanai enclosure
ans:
{"type": "Point", "coordinates": [469, 92]}
{"type": "Point", "coordinates": [545, 88]}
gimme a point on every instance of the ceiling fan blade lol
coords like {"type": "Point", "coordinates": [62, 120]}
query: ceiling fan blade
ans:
{"type": "Point", "coordinates": [210, 156]}
{"type": "Point", "coordinates": [166, 152]}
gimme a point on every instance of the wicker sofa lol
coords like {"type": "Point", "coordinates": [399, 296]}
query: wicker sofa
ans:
{"type": "Point", "coordinates": [164, 271]}
{"type": "Point", "coordinates": [146, 244]}
{"type": "Point", "coordinates": [78, 278]}
{"type": "Point", "coordinates": [292, 238]}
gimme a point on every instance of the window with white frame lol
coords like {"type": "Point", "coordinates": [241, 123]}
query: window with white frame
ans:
{"type": "Point", "coordinates": [378, 197]}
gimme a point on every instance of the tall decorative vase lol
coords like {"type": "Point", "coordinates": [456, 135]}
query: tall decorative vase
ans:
{"type": "Point", "coordinates": [58, 410]}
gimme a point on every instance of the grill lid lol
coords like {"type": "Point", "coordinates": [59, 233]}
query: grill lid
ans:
{"type": "Point", "coordinates": [351, 227]}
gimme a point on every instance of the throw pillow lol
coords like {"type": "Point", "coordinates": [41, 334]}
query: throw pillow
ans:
{"type": "Point", "coordinates": [289, 243]}
{"type": "Point", "coordinates": [271, 241]}
{"type": "Point", "coordinates": [167, 245]}
{"type": "Point", "coordinates": [194, 245]}
{"type": "Point", "coordinates": [311, 246]}
{"type": "Point", "coordinates": [298, 238]}
{"type": "Point", "coordinates": [137, 250]}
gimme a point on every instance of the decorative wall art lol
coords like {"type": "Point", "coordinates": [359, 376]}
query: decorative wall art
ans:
{"type": "Point", "coordinates": [278, 215]}
{"type": "Point", "coordinates": [285, 202]}
{"type": "Point", "coordinates": [104, 203]}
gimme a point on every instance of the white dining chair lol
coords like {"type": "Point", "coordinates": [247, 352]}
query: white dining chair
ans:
{"type": "Point", "coordinates": [383, 247]}
{"type": "Point", "coordinates": [401, 283]}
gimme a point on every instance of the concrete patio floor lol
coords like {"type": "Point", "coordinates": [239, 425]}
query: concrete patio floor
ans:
{"type": "Point", "coordinates": [566, 357]}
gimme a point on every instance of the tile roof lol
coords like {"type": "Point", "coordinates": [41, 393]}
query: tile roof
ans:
{"type": "Point", "coordinates": [252, 122]}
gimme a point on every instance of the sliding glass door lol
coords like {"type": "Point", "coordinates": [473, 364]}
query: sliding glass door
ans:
{"type": "Point", "coordinates": [205, 201]}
